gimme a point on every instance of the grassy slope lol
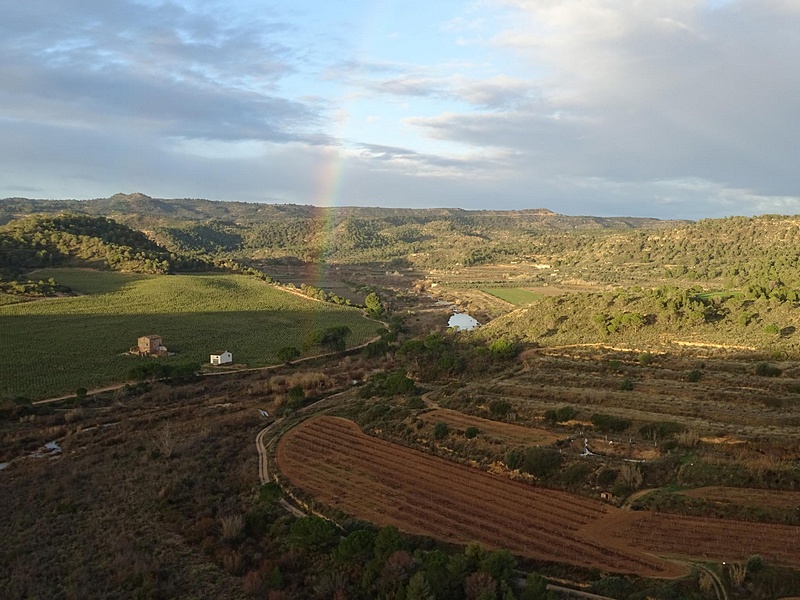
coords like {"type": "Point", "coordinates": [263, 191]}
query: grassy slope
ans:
{"type": "Point", "coordinates": [570, 319]}
{"type": "Point", "coordinates": [517, 296]}
{"type": "Point", "coordinates": [65, 343]}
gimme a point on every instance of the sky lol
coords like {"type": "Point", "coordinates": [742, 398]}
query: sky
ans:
{"type": "Point", "coordinates": [669, 109]}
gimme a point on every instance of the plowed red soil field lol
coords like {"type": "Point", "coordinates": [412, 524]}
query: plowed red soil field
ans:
{"type": "Point", "coordinates": [706, 539]}
{"type": "Point", "coordinates": [333, 461]}
{"type": "Point", "coordinates": [337, 464]}
{"type": "Point", "coordinates": [507, 432]}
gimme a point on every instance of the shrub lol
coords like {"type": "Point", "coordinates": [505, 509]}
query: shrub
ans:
{"type": "Point", "coordinates": [626, 384]}
{"type": "Point", "coordinates": [645, 359]}
{"type": "Point", "coordinates": [415, 403]}
{"type": "Point", "coordinates": [565, 413]}
{"type": "Point", "coordinates": [502, 348]}
{"type": "Point", "coordinates": [499, 408]}
{"type": "Point", "coordinates": [576, 474]}
{"type": "Point", "coordinates": [287, 354]}
{"type": "Point", "coordinates": [755, 563]}
{"type": "Point", "coordinates": [312, 532]}
{"type": "Point", "coordinates": [767, 370]}
{"type": "Point", "coordinates": [694, 375]}
{"type": "Point", "coordinates": [772, 329]}
{"type": "Point", "coordinates": [514, 459]}
{"type": "Point", "coordinates": [607, 477]}
{"type": "Point", "coordinates": [541, 462]}
{"type": "Point", "coordinates": [269, 492]}
{"type": "Point", "coordinates": [500, 564]}
{"type": "Point", "coordinates": [440, 430]}
{"type": "Point", "coordinates": [231, 527]}
{"type": "Point", "coordinates": [609, 423]}
{"type": "Point", "coordinates": [471, 432]}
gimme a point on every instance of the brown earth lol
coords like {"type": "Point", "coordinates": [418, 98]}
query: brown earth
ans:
{"type": "Point", "coordinates": [333, 461]}
{"type": "Point", "coordinates": [506, 432]}
{"type": "Point", "coordinates": [747, 496]}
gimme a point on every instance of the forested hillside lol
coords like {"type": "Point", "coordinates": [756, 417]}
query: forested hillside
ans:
{"type": "Point", "coordinates": [731, 253]}
{"type": "Point", "coordinates": [74, 240]}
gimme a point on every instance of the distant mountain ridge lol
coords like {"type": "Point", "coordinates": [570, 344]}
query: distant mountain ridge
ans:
{"type": "Point", "coordinates": [141, 210]}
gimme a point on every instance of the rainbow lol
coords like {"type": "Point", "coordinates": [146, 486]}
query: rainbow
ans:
{"type": "Point", "coordinates": [328, 180]}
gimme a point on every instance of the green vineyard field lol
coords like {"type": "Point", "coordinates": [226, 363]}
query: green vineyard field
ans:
{"type": "Point", "coordinates": [56, 345]}
{"type": "Point", "coordinates": [516, 296]}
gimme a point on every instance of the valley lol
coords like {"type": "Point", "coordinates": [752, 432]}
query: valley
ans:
{"type": "Point", "coordinates": [623, 422]}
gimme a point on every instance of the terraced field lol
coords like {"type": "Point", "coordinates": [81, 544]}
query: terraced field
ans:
{"type": "Point", "coordinates": [506, 432]}
{"type": "Point", "coordinates": [333, 461]}
{"type": "Point", "coordinates": [747, 497]}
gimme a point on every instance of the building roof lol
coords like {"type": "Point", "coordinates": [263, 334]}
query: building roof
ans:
{"type": "Point", "coordinates": [152, 337]}
{"type": "Point", "coordinates": [221, 352]}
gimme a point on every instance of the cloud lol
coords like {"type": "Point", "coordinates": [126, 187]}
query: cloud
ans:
{"type": "Point", "coordinates": [157, 67]}
{"type": "Point", "coordinates": [649, 92]}
{"type": "Point", "coordinates": [683, 108]}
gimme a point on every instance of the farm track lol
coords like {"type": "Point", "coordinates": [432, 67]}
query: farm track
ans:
{"type": "Point", "coordinates": [334, 462]}
{"type": "Point", "coordinates": [337, 464]}
{"type": "Point", "coordinates": [119, 386]}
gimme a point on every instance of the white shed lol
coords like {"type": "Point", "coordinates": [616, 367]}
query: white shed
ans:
{"type": "Point", "coordinates": [220, 358]}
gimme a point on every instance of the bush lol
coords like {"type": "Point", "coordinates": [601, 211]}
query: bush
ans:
{"type": "Point", "coordinates": [312, 532]}
{"type": "Point", "coordinates": [616, 587]}
{"type": "Point", "coordinates": [514, 459]}
{"type": "Point", "coordinates": [607, 477]}
{"type": "Point", "coordinates": [694, 375]}
{"type": "Point", "coordinates": [541, 462]}
{"type": "Point", "coordinates": [471, 432]}
{"type": "Point", "coordinates": [626, 385]}
{"type": "Point", "coordinates": [565, 413]}
{"type": "Point", "coordinates": [645, 359]}
{"type": "Point", "coordinates": [231, 527]}
{"type": "Point", "coordinates": [296, 396]}
{"type": "Point", "coordinates": [609, 423]}
{"type": "Point", "coordinates": [502, 348]}
{"type": "Point", "coordinates": [415, 403]}
{"type": "Point", "coordinates": [499, 408]}
{"type": "Point", "coordinates": [440, 430]}
{"type": "Point", "coordinates": [576, 474]}
{"type": "Point", "coordinates": [755, 563]}
{"type": "Point", "coordinates": [767, 370]}
{"type": "Point", "coordinates": [288, 353]}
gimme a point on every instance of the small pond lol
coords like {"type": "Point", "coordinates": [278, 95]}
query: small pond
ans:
{"type": "Point", "coordinates": [463, 322]}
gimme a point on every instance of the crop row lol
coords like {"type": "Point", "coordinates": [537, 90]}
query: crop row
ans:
{"type": "Point", "coordinates": [717, 538]}
{"type": "Point", "coordinates": [394, 469]}
{"type": "Point", "coordinates": [574, 507]}
{"type": "Point", "coordinates": [335, 462]}
{"type": "Point", "coordinates": [81, 341]}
